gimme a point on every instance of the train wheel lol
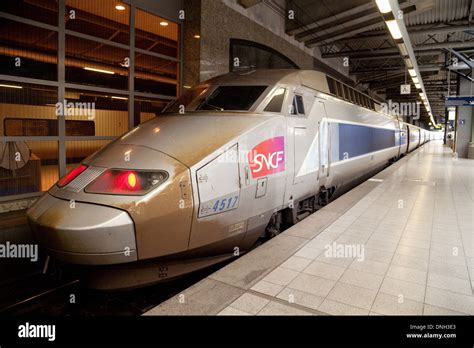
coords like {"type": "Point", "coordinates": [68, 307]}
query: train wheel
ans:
{"type": "Point", "coordinates": [274, 225]}
{"type": "Point", "coordinates": [323, 197]}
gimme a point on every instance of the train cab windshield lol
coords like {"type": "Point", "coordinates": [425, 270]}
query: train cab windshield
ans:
{"type": "Point", "coordinates": [222, 98]}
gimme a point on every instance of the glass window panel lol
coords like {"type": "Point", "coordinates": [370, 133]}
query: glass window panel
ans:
{"type": "Point", "coordinates": [156, 34]}
{"type": "Point", "coordinates": [107, 112]}
{"type": "Point", "coordinates": [276, 102]}
{"type": "Point", "coordinates": [366, 101]}
{"type": "Point", "coordinates": [28, 51]}
{"type": "Point", "coordinates": [35, 171]}
{"type": "Point", "coordinates": [332, 85]}
{"type": "Point", "coordinates": [92, 63]}
{"type": "Point", "coordinates": [148, 108]}
{"type": "Point", "coordinates": [346, 93]}
{"type": "Point", "coordinates": [299, 104]}
{"type": "Point", "coordinates": [156, 75]}
{"type": "Point", "coordinates": [190, 96]}
{"type": "Point", "coordinates": [100, 19]}
{"type": "Point", "coordinates": [77, 151]}
{"type": "Point", "coordinates": [340, 92]}
{"type": "Point", "coordinates": [353, 98]}
{"type": "Point", "coordinates": [26, 101]}
{"type": "Point", "coordinates": [253, 55]}
{"type": "Point", "coordinates": [232, 98]}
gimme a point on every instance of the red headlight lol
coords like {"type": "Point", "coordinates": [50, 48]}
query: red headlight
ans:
{"type": "Point", "coordinates": [66, 179]}
{"type": "Point", "coordinates": [126, 182]}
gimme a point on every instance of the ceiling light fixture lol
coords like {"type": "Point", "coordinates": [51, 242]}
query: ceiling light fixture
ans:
{"type": "Point", "coordinates": [11, 86]}
{"type": "Point", "coordinates": [99, 70]}
{"type": "Point", "coordinates": [383, 5]}
{"type": "Point", "coordinates": [120, 7]}
{"type": "Point", "coordinates": [394, 29]}
{"type": "Point", "coordinates": [164, 24]}
{"type": "Point", "coordinates": [403, 49]}
{"type": "Point", "coordinates": [390, 11]}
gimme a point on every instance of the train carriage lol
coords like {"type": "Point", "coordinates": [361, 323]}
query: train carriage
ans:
{"type": "Point", "coordinates": [235, 158]}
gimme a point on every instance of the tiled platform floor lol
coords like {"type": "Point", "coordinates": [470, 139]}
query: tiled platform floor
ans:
{"type": "Point", "coordinates": [414, 230]}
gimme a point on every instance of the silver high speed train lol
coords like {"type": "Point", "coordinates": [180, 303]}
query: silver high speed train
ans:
{"type": "Point", "coordinates": [233, 159]}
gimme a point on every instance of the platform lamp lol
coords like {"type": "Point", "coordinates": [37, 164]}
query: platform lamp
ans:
{"type": "Point", "coordinates": [393, 18]}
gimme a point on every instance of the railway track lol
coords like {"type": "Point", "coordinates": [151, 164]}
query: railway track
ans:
{"type": "Point", "coordinates": [45, 295]}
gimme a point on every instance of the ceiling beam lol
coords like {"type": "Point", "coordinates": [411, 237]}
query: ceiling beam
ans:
{"type": "Point", "coordinates": [401, 69]}
{"type": "Point", "coordinates": [376, 56]}
{"type": "Point", "coordinates": [352, 30]}
{"type": "Point", "coordinates": [248, 3]}
{"type": "Point", "coordinates": [396, 81]}
{"type": "Point", "coordinates": [453, 27]}
{"type": "Point", "coordinates": [388, 52]}
{"type": "Point", "coordinates": [469, 62]}
{"type": "Point", "coordinates": [365, 7]}
{"type": "Point", "coordinates": [471, 12]}
{"type": "Point", "coordinates": [359, 17]}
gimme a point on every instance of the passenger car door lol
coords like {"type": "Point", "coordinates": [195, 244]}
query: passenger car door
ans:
{"type": "Point", "coordinates": [323, 148]}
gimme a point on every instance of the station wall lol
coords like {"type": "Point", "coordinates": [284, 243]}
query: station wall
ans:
{"type": "Point", "coordinates": [464, 120]}
{"type": "Point", "coordinates": [218, 24]}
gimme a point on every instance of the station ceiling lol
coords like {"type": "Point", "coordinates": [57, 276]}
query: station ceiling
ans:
{"type": "Point", "coordinates": [438, 29]}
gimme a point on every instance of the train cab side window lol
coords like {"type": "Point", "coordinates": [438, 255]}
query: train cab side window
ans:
{"type": "Point", "coordinates": [366, 101]}
{"type": "Point", "coordinates": [299, 104]}
{"type": "Point", "coordinates": [332, 85]}
{"type": "Point", "coordinates": [372, 104]}
{"type": "Point", "coordinates": [340, 92]}
{"type": "Point", "coordinates": [346, 93]}
{"type": "Point", "coordinates": [276, 102]}
{"type": "Point", "coordinates": [353, 99]}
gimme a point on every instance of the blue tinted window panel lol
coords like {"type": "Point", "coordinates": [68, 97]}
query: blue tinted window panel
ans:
{"type": "Point", "coordinates": [356, 140]}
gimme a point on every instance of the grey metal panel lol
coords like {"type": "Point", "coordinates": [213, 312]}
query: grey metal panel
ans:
{"type": "Point", "coordinates": [81, 227]}
{"type": "Point", "coordinates": [168, 9]}
{"type": "Point", "coordinates": [218, 181]}
{"type": "Point", "coordinates": [198, 139]}
{"type": "Point", "coordinates": [95, 258]}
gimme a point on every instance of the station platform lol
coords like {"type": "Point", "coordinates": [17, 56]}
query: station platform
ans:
{"type": "Point", "coordinates": [400, 243]}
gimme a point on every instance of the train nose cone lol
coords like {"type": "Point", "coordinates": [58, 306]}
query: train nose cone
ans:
{"type": "Point", "coordinates": [83, 233]}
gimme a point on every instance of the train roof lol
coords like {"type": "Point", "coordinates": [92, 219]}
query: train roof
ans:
{"type": "Point", "coordinates": [311, 78]}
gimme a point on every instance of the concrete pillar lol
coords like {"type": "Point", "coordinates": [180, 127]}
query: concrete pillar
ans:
{"type": "Point", "coordinates": [464, 124]}
{"type": "Point", "coordinates": [191, 43]}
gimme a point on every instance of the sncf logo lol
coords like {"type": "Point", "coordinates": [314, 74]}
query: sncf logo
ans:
{"type": "Point", "coordinates": [268, 157]}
